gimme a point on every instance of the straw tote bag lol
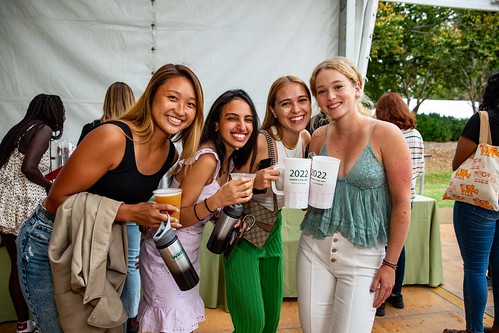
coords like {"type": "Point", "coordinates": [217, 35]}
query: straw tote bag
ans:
{"type": "Point", "coordinates": [476, 180]}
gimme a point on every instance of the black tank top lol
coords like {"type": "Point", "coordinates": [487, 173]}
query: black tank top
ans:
{"type": "Point", "coordinates": [125, 183]}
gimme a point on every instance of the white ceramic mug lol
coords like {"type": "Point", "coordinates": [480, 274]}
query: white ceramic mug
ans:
{"type": "Point", "coordinates": [323, 181]}
{"type": "Point", "coordinates": [296, 182]}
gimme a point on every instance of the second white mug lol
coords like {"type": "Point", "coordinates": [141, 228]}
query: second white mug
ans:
{"type": "Point", "coordinates": [323, 179]}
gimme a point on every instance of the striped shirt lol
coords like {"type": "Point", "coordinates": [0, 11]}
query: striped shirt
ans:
{"type": "Point", "coordinates": [416, 147]}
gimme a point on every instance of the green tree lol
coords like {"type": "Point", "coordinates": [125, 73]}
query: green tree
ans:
{"type": "Point", "coordinates": [476, 51]}
{"type": "Point", "coordinates": [432, 52]}
{"type": "Point", "coordinates": [409, 51]}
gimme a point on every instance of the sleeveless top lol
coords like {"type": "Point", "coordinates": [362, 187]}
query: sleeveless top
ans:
{"type": "Point", "coordinates": [265, 199]}
{"type": "Point", "coordinates": [208, 190]}
{"type": "Point", "coordinates": [361, 205]}
{"type": "Point", "coordinates": [18, 195]}
{"type": "Point", "coordinates": [126, 183]}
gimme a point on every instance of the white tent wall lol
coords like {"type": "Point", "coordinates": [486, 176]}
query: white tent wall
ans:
{"type": "Point", "coordinates": [76, 49]}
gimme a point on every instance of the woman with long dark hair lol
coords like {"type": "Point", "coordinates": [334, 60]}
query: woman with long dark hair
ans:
{"type": "Point", "coordinates": [228, 140]}
{"type": "Point", "coordinates": [24, 158]}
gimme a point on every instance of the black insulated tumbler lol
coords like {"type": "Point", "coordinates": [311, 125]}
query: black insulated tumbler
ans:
{"type": "Point", "coordinates": [224, 234]}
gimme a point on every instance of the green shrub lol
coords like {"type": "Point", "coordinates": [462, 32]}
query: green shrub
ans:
{"type": "Point", "coordinates": [436, 128]}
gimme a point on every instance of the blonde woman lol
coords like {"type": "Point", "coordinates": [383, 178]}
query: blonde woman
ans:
{"type": "Point", "coordinates": [343, 273]}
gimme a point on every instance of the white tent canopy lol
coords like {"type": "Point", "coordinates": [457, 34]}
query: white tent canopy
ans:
{"type": "Point", "coordinates": [76, 49]}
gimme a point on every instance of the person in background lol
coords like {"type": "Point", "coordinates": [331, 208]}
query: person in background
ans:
{"type": "Point", "coordinates": [254, 276]}
{"type": "Point", "coordinates": [317, 121]}
{"type": "Point", "coordinates": [24, 158]}
{"type": "Point", "coordinates": [343, 273]}
{"type": "Point", "coordinates": [119, 98]}
{"type": "Point", "coordinates": [228, 140]}
{"type": "Point", "coordinates": [121, 160]}
{"type": "Point", "coordinates": [392, 108]}
{"type": "Point", "coordinates": [477, 229]}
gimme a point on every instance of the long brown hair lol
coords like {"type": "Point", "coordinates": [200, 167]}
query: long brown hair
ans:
{"type": "Point", "coordinates": [269, 119]}
{"type": "Point", "coordinates": [140, 114]}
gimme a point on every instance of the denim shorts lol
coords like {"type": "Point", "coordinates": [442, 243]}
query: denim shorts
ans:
{"type": "Point", "coordinates": [34, 269]}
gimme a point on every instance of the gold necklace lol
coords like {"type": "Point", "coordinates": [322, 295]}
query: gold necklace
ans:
{"type": "Point", "coordinates": [290, 148]}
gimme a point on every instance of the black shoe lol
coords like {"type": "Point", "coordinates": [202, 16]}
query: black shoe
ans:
{"type": "Point", "coordinates": [380, 312]}
{"type": "Point", "coordinates": [396, 301]}
{"type": "Point", "coordinates": [132, 325]}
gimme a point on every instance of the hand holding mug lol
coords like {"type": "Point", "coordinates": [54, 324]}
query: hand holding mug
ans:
{"type": "Point", "coordinates": [296, 182]}
{"type": "Point", "coordinates": [237, 190]}
{"type": "Point", "coordinates": [265, 177]}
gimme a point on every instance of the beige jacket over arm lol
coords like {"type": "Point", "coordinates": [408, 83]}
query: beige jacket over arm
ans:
{"type": "Point", "coordinates": [88, 257]}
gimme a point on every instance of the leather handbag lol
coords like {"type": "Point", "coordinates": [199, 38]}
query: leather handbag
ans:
{"type": "Point", "coordinates": [260, 219]}
{"type": "Point", "coordinates": [476, 180]}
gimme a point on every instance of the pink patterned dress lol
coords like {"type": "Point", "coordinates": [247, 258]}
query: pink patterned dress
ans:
{"type": "Point", "coordinates": [163, 306]}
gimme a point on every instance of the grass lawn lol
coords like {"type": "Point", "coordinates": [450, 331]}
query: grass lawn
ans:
{"type": "Point", "coordinates": [434, 187]}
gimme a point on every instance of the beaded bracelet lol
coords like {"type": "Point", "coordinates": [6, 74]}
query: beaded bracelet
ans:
{"type": "Point", "coordinates": [389, 264]}
{"type": "Point", "coordinates": [195, 213]}
{"type": "Point", "coordinates": [206, 205]}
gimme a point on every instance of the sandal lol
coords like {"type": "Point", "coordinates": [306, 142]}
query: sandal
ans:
{"type": "Point", "coordinates": [450, 330]}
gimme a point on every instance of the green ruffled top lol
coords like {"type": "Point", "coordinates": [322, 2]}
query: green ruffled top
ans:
{"type": "Point", "coordinates": [361, 205]}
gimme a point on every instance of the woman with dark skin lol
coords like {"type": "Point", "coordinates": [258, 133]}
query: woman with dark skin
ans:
{"type": "Point", "coordinates": [24, 157]}
{"type": "Point", "coordinates": [477, 230]}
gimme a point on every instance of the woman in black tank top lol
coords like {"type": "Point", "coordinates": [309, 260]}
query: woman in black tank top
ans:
{"type": "Point", "coordinates": [123, 160]}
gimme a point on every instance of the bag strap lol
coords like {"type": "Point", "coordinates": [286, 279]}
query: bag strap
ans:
{"type": "Point", "coordinates": [485, 136]}
{"type": "Point", "coordinates": [272, 157]}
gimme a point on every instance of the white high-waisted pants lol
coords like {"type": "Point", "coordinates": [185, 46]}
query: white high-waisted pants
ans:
{"type": "Point", "coordinates": [333, 283]}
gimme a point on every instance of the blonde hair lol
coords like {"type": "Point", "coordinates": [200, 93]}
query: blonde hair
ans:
{"type": "Point", "coordinates": [347, 68]}
{"type": "Point", "coordinates": [269, 119]}
{"type": "Point", "coordinates": [119, 98]}
{"type": "Point", "coordinates": [140, 115]}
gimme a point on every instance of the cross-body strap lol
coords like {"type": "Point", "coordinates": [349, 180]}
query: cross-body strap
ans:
{"type": "Point", "coordinates": [272, 157]}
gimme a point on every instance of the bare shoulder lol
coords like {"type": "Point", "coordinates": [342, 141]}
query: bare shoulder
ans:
{"type": "Point", "coordinates": [305, 137]}
{"type": "Point", "coordinates": [107, 134]}
{"type": "Point", "coordinates": [320, 132]}
{"type": "Point", "coordinates": [318, 139]}
{"type": "Point", "coordinates": [262, 147]}
{"type": "Point", "coordinates": [384, 130]}
{"type": "Point", "coordinates": [207, 160]}
{"type": "Point", "coordinates": [387, 141]}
